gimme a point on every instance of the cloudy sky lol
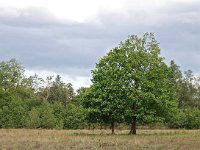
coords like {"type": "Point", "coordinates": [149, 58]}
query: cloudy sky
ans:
{"type": "Point", "coordinates": [68, 37]}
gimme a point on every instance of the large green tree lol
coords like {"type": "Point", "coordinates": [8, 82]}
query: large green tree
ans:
{"type": "Point", "coordinates": [131, 83]}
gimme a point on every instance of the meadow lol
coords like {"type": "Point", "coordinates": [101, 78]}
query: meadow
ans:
{"type": "Point", "coordinates": [26, 139]}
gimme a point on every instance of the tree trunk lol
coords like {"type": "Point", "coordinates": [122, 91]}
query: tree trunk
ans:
{"type": "Point", "coordinates": [113, 127]}
{"type": "Point", "coordinates": [133, 126]}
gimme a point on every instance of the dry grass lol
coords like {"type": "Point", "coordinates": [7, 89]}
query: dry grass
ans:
{"type": "Point", "coordinates": [22, 139]}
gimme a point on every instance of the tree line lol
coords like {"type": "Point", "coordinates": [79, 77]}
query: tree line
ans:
{"type": "Point", "coordinates": [132, 84]}
{"type": "Point", "coordinates": [34, 102]}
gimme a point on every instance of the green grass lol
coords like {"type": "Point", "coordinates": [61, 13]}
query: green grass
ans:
{"type": "Point", "coordinates": [26, 139]}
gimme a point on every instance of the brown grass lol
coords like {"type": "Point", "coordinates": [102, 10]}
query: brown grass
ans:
{"type": "Point", "coordinates": [26, 139]}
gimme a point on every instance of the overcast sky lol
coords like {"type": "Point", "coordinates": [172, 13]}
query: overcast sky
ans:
{"type": "Point", "coordinates": [68, 37]}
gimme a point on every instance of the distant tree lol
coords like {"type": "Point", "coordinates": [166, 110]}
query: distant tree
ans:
{"type": "Point", "coordinates": [56, 91]}
{"type": "Point", "coordinates": [78, 99]}
{"type": "Point", "coordinates": [187, 90]}
{"type": "Point", "coordinates": [34, 82]}
{"type": "Point", "coordinates": [131, 83]}
{"type": "Point", "coordinates": [11, 74]}
{"type": "Point", "coordinates": [69, 93]}
{"type": "Point", "coordinates": [187, 87]}
{"type": "Point", "coordinates": [45, 90]}
{"type": "Point", "coordinates": [60, 91]}
{"type": "Point", "coordinates": [176, 76]}
{"type": "Point", "coordinates": [196, 101]}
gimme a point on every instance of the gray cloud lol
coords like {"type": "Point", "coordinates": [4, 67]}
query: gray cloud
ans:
{"type": "Point", "coordinates": [39, 40]}
{"type": "Point", "coordinates": [179, 36]}
{"type": "Point", "coordinates": [49, 44]}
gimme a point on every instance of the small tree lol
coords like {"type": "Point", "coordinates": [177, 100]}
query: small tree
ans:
{"type": "Point", "coordinates": [131, 83]}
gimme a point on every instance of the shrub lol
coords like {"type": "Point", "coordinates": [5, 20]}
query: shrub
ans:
{"type": "Point", "coordinates": [191, 119]}
{"type": "Point", "coordinates": [74, 117]}
{"type": "Point", "coordinates": [41, 117]}
{"type": "Point", "coordinates": [33, 119]}
{"type": "Point", "coordinates": [59, 113]}
{"type": "Point", "coordinates": [187, 118]}
{"type": "Point", "coordinates": [13, 115]}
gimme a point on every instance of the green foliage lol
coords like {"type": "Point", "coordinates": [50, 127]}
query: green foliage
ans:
{"type": "Point", "coordinates": [56, 116]}
{"type": "Point", "coordinates": [29, 104]}
{"type": "Point", "coordinates": [41, 117]}
{"type": "Point", "coordinates": [74, 117]}
{"type": "Point", "coordinates": [187, 118]}
{"type": "Point", "coordinates": [47, 117]}
{"type": "Point", "coordinates": [191, 119]}
{"type": "Point", "coordinates": [5, 98]}
{"type": "Point", "coordinates": [78, 98]}
{"type": "Point", "coordinates": [13, 115]}
{"type": "Point", "coordinates": [33, 119]}
{"type": "Point", "coordinates": [23, 93]}
{"type": "Point", "coordinates": [1, 118]}
{"type": "Point", "coordinates": [59, 113]}
{"type": "Point", "coordinates": [176, 121]}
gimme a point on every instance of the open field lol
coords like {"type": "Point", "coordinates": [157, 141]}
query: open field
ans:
{"type": "Point", "coordinates": [22, 139]}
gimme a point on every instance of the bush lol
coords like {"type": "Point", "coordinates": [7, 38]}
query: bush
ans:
{"type": "Point", "coordinates": [5, 98]}
{"type": "Point", "coordinates": [47, 118]}
{"type": "Point", "coordinates": [74, 117]}
{"type": "Point", "coordinates": [187, 118]}
{"type": "Point", "coordinates": [13, 115]}
{"type": "Point", "coordinates": [41, 117]}
{"type": "Point", "coordinates": [29, 104]}
{"type": "Point", "coordinates": [191, 119]}
{"type": "Point", "coordinates": [59, 113]}
{"type": "Point", "coordinates": [33, 119]}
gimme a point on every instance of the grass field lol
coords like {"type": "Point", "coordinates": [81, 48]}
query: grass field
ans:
{"type": "Point", "coordinates": [21, 139]}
